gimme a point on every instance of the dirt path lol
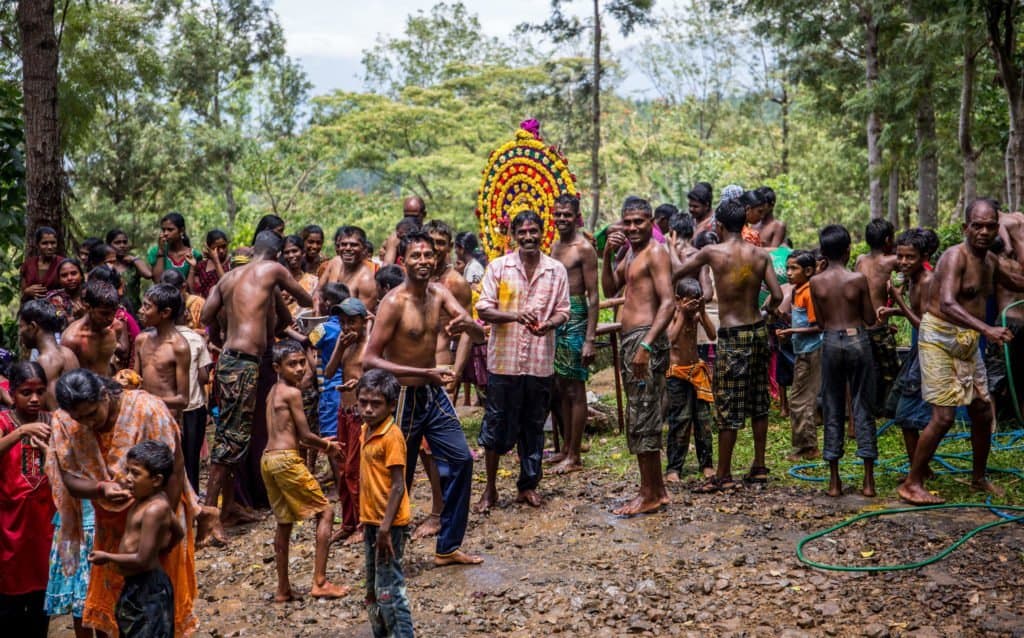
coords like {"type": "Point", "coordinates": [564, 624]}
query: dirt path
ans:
{"type": "Point", "coordinates": [721, 565]}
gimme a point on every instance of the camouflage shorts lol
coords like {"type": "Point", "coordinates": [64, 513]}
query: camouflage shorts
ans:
{"type": "Point", "coordinates": [236, 378]}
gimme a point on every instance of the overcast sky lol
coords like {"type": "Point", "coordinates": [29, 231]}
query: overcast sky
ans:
{"type": "Point", "coordinates": [329, 36]}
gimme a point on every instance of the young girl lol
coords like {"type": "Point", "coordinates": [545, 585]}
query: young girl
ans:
{"type": "Point", "coordinates": [173, 249]}
{"type": "Point", "coordinates": [313, 243]}
{"type": "Point", "coordinates": [212, 267]}
{"type": "Point", "coordinates": [806, 338]}
{"type": "Point", "coordinates": [26, 505]}
{"type": "Point", "coordinates": [131, 268]}
{"type": "Point", "coordinates": [68, 298]}
{"type": "Point", "coordinates": [292, 257]}
{"type": "Point", "coordinates": [39, 273]}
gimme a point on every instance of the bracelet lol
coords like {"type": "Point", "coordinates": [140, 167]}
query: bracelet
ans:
{"type": "Point", "coordinates": [646, 346]}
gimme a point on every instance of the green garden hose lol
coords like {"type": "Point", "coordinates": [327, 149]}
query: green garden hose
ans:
{"type": "Point", "coordinates": [903, 510]}
{"type": "Point", "coordinates": [1009, 368]}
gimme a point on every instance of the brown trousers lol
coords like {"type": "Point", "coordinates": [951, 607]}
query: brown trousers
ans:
{"type": "Point", "coordinates": [803, 401]}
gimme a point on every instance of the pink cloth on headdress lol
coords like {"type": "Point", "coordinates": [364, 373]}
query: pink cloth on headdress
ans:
{"type": "Point", "coordinates": [531, 125]}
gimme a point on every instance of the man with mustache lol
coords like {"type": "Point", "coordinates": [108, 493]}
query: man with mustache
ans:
{"type": "Point", "coordinates": [403, 342]}
{"type": "Point", "coordinates": [525, 297]}
{"type": "Point", "coordinates": [351, 268]}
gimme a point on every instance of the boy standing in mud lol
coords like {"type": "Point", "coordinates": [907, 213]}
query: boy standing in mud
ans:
{"type": "Point", "coordinates": [845, 311]}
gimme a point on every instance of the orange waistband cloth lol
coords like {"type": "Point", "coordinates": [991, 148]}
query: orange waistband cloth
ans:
{"type": "Point", "coordinates": [698, 375]}
{"type": "Point", "coordinates": [106, 582]}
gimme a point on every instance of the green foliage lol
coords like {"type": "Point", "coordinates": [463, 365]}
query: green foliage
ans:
{"type": "Point", "coordinates": [12, 196]}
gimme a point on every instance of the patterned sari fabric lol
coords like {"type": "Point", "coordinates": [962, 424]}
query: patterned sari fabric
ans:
{"type": "Point", "coordinates": [80, 451]}
{"type": "Point", "coordinates": [569, 338]}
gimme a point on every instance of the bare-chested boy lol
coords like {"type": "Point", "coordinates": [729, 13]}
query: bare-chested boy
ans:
{"type": "Point", "coordinates": [574, 340]}
{"type": "Point", "coordinates": [877, 266]}
{"type": "Point", "coordinates": [645, 275]}
{"type": "Point", "coordinates": [912, 413]}
{"type": "Point", "coordinates": [162, 356]}
{"type": "Point", "coordinates": [403, 342]}
{"type": "Point", "coordinates": [740, 380]}
{"type": "Point", "coordinates": [351, 268]}
{"type": "Point", "coordinates": [771, 230]}
{"type": "Point", "coordinates": [38, 322]}
{"type": "Point", "coordinates": [952, 372]}
{"type": "Point", "coordinates": [94, 337]}
{"type": "Point", "coordinates": [248, 296]}
{"type": "Point", "coordinates": [843, 306]}
{"type": "Point", "coordinates": [146, 604]}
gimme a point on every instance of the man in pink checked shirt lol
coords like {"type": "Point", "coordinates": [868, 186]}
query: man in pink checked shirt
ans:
{"type": "Point", "coordinates": [525, 297]}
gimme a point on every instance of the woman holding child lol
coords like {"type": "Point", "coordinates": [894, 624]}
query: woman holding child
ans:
{"type": "Point", "coordinates": [92, 432]}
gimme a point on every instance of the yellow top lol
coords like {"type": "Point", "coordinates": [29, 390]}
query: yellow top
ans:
{"type": "Point", "coordinates": [383, 449]}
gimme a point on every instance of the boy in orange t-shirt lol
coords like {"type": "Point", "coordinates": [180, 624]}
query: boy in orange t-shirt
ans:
{"type": "Point", "coordinates": [383, 504]}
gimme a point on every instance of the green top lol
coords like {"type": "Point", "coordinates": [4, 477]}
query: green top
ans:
{"type": "Point", "coordinates": [169, 264]}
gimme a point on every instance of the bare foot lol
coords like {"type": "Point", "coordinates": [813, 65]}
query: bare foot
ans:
{"type": "Point", "coordinates": [286, 597]}
{"type": "Point", "coordinates": [355, 539]}
{"type": "Point", "coordinates": [672, 477]}
{"type": "Point", "coordinates": [556, 458]}
{"type": "Point", "coordinates": [917, 495]}
{"type": "Point", "coordinates": [639, 505]}
{"type": "Point", "coordinates": [342, 533]}
{"type": "Point", "coordinates": [835, 489]}
{"type": "Point", "coordinates": [567, 466]}
{"type": "Point", "coordinates": [239, 515]}
{"type": "Point", "coordinates": [486, 502]}
{"type": "Point", "coordinates": [664, 499]}
{"type": "Point", "coordinates": [530, 497]}
{"type": "Point", "coordinates": [869, 491]}
{"type": "Point", "coordinates": [430, 526]}
{"type": "Point", "coordinates": [987, 486]}
{"type": "Point", "coordinates": [209, 531]}
{"type": "Point", "coordinates": [709, 472]}
{"type": "Point", "coordinates": [329, 590]}
{"type": "Point", "coordinates": [458, 557]}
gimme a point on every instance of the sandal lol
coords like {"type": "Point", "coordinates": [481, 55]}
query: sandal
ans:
{"type": "Point", "coordinates": [757, 475]}
{"type": "Point", "coordinates": [713, 484]}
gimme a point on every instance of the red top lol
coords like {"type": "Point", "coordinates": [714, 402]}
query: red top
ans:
{"type": "Point", "coordinates": [205, 279]}
{"type": "Point", "coordinates": [26, 517]}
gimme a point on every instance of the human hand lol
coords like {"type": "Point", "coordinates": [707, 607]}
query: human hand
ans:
{"type": "Point", "coordinates": [998, 336]}
{"type": "Point", "coordinates": [440, 376]}
{"type": "Point", "coordinates": [641, 363]}
{"type": "Point", "coordinates": [348, 386]}
{"type": "Point", "coordinates": [97, 557]}
{"type": "Point", "coordinates": [113, 492]}
{"type": "Point", "coordinates": [35, 290]}
{"type": "Point", "coordinates": [782, 333]}
{"type": "Point", "coordinates": [526, 317]}
{"type": "Point", "coordinates": [539, 328]}
{"type": "Point", "coordinates": [38, 433]}
{"type": "Point", "coordinates": [385, 551]}
{"type": "Point", "coordinates": [190, 258]}
{"type": "Point", "coordinates": [458, 325]}
{"type": "Point", "coordinates": [616, 240]}
{"type": "Point", "coordinates": [588, 354]}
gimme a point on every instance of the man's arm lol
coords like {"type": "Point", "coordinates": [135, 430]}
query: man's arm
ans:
{"type": "Point", "coordinates": [709, 328]}
{"type": "Point", "coordinates": [461, 320]}
{"type": "Point", "coordinates": [588, 261]}
{"type": "Point", "coordinates": [487, 304]}
{"type": "Point", "coordinates": [611, 280]}
{"type": "Point", "coordinates": [693, 266]}
{"type": "Point", "coordinates": [774, 290]}
{"type": "Point", "coordinates": [661, 275]}
{"type": "Point", "coordinates": [208, 315]}
{"type": "Point", "coordinates": [1009, 279]}
{"type": "Point", "coordinates": [284, 279]}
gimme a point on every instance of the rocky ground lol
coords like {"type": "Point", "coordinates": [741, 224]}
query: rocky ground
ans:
{"type": "Point", "coordinates": [721, 565]}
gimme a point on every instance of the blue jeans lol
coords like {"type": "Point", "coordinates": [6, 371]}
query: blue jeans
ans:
{"type": "Point", "coordinates": [847, 359]}
{"type": "Point", "coordinates": [427, 412]}
{"type": "Point", "coordinates": [387, 603]}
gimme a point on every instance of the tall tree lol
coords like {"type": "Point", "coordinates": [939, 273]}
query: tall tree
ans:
{"type": "Point", "coordinates": [561, 27]}
{"type": "Point", "coordinates": [44, 173]}
{"type": "Point", "coordinates": [1001, 22]}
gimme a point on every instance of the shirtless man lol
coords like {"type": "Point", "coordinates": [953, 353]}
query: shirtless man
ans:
{"type": "Point", "coordinates": [403, 342]}
{"type": "Point", "coordinates": [877, 266]}
{"type": "Point", "coordinates": [574, 340]}
{"type": "Point", "coordinates": [95, 337]}
{"type": "Point", "coordinates": [412, 207]}
{"type": "Point", "coordinates": [37, 323]}
{"type": "Point", "coordinates": [1011, 229]}
{"type": "Point", "coordinates": [162, 356]}
{"type": "Point", "coordinates": [350, 267]}
{"type": "Point", "coordinates": [645, 275]}
{"type": "Point", "coordinates": [699, 204]}
{"type": "Point", "coordinates": [772, 231]}
{"type": "Point", "coordinates": [741, 368]}
{"type": "Point", "coordinates": [844, 309]}
{"type": "Point", "coordinates": [247, 295]}
{"type": "Point", "coordinates": [952, 373]}
{"type": "Point", "coordinates": [995, 362]}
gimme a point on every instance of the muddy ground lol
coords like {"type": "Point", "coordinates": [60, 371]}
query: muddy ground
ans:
{"type": "Point", "coordinates": [721, 565]}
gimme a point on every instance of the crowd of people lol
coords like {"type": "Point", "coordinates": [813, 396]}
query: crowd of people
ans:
{"type": "Point", "coordinates": [289, 353]}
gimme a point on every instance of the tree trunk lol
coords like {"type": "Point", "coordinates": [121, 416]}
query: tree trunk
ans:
{"type": "Point", "coordinates": [44, 175]}
{"type": "Point", "coordinates": [595, 144]}
{"type": "Point", "coordinates": [229, 198]}
{"type": "Point", "coordinates": [874, 123]}
{"type": "Point", "coordinates": [894, 195]}
{"type": "Point", "coordinates": [927, 161]}
{"type": "Point", "coordinates": [1000, 16]}
{"type": "Point", "coordinates": [784, 102]}
{"type": "Point", "coordinates": [968, 156]}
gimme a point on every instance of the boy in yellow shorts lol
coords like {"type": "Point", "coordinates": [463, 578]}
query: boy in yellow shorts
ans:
{"type": "Point", "coordinates": [293, 492]}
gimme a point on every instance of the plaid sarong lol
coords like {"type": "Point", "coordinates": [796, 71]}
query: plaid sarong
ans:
{"type": "Point", "coordinates": [569, 339]}
{"type": "Point", "coordinates": [741, 375]}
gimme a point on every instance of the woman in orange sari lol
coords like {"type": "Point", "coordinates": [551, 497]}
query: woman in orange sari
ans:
{"type": "Point", "coordinates": [92, 432]}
